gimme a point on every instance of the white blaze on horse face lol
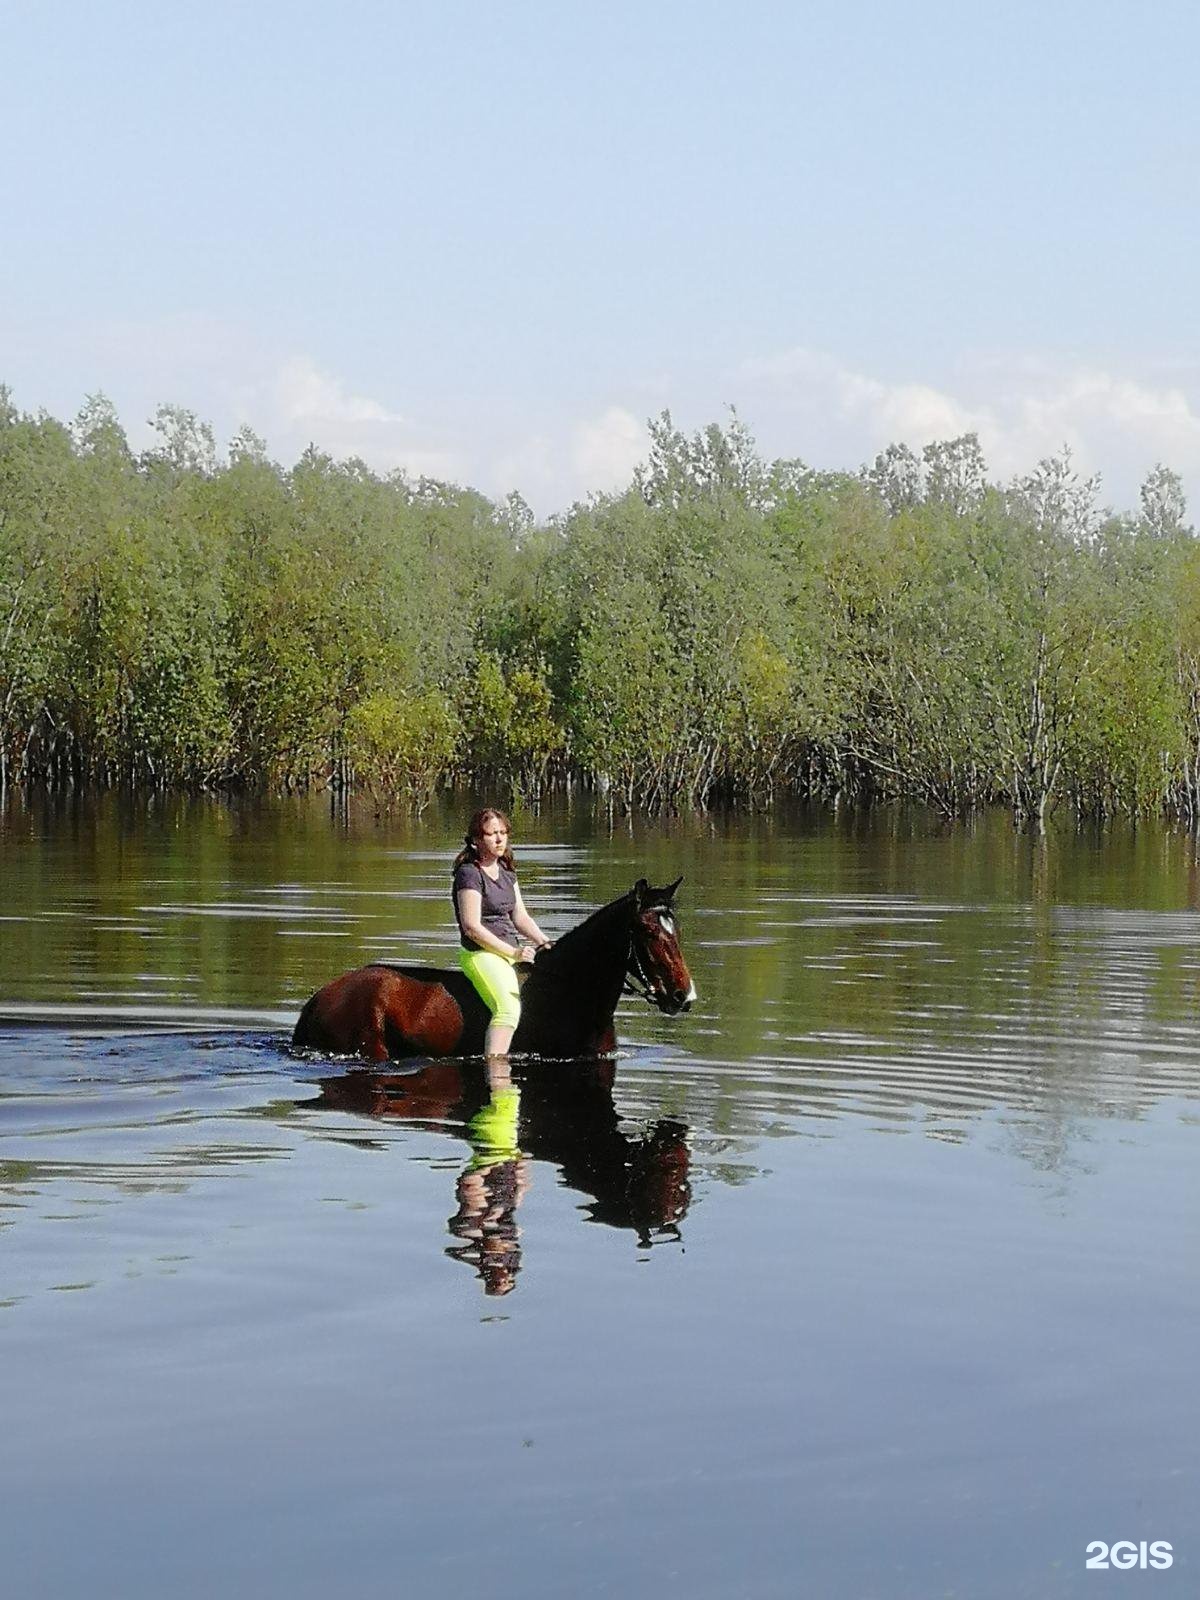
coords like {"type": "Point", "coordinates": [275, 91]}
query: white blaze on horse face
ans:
{"type": "Point", "coordinates": [667, 924]}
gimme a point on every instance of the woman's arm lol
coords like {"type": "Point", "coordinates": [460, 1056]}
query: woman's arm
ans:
{"type": "Point", "coordinates": [524, 923]}
{"type": "Point", "coordinates": [470, 913]}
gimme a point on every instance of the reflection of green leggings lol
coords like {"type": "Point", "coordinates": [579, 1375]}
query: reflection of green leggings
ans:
{"type": "Point", "coordinates": [493, 1131]}
{"type": "Point", "coordinates": [496, 980]}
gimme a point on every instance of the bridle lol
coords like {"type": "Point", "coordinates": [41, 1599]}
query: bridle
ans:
{"type": "Point", "coordinates": [637, 980]}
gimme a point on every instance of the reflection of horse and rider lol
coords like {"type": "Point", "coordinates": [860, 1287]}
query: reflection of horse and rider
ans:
{"type": "Point", "coordinates": [517, 990]}
{"type": "Point", "coordinates": [561, 1113]}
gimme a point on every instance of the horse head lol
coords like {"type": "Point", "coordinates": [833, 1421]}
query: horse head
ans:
{"type": "Point", "coordinates": [656, 968]}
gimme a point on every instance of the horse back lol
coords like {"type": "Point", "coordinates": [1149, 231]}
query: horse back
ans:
{"type": "Point", "coordinates": [386, 1012]}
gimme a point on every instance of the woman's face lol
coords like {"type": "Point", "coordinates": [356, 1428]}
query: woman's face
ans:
{"type": "Point", "coordinates": [493, 841]}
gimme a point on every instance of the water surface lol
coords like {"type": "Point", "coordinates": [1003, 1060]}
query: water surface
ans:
{"type": "Point", "coordinates": [872, 1276]}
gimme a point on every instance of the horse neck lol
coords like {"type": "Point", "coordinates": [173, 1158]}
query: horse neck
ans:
{"type": "Point", "coordinates": [596, 951]}
{"type": "Point", "coordinates": [568, 1003]}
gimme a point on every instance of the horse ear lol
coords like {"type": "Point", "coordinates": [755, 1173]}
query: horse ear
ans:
{"type": "Point", "coordinates": [640, 889]}
{"type": "Point", "coordinates": [669, 894]}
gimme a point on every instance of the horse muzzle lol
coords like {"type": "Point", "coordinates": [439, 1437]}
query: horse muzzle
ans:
{"type": "Point", "coordinates": [672, 1001]}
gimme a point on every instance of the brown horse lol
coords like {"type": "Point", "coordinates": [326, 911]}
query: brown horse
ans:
{"type": "Point", "coordinates": [568, 996]}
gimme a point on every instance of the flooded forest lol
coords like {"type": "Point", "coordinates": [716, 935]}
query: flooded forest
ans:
{"type": "Point", "coordinates": [725, 629]}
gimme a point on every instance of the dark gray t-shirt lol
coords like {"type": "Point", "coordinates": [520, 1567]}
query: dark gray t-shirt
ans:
{"type": "Point", "coordinates": [499, 902]}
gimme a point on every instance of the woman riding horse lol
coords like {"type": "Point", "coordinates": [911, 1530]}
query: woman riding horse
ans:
{"type": "Point", "coordinates": [569, 995]}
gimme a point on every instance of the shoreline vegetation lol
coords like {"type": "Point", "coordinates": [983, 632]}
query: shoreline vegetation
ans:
{"type": "Point", "coordinates": [725, 630]}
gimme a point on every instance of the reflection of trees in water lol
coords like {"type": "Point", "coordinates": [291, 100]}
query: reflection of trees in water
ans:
{"type": "Point", "coordinates": [1052, 1147]}
{"type": "Point", "coordinates": [1045, 1092]}
{"type": "Point", "coordinates": [928, 1015]}
{"type": "Point", "coordinates": [561, 1113]}
{"type": "Point", "coordinates": [1056, 1128]}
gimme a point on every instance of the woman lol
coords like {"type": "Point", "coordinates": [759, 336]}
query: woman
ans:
{"type": "Point", "coordinates": [495, 929]}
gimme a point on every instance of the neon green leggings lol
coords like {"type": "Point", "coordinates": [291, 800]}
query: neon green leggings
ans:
{"type": "Point", "coordinates": [496, 981]}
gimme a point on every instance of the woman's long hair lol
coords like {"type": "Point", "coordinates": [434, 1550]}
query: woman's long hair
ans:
{"type": "Point", "coordinates": [475, 828]}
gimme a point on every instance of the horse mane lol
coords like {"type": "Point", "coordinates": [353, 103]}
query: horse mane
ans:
{"type": "Point", "coordinates": [571, 945]}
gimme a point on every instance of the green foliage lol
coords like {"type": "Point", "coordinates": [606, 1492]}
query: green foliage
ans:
{"type": "Point", "coordinates": [725, 628]}
{"type": "Point", "coordinates": [510, 724]}
{"type": "Point", "coordinates": [402, 744]}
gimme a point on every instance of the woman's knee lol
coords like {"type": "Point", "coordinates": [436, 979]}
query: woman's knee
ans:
{"type": "Point", "coordinates": [508, 1011]}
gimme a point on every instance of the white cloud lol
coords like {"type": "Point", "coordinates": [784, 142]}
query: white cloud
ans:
{"type": "Point", "coordinates": [530, 464]}
{"type": "Point", "coordinates": [807, 403]}
{"type": "Point", "coordinates": [605, 450]}
{"type": "Point", "coordinates": [797, 402]}
{"type": "Point", "coordinates": [299, 405]}
{"type": "Point", "coordinates": [305, 395]}
{"type": "Point", "coordinates": [551, 468]}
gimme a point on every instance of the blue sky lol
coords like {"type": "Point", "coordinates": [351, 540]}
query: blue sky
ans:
{"type": "Point", "coordinates": [489, 242]}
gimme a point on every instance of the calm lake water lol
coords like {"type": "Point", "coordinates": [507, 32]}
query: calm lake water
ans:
{"type": "Point", "coordinates": [874, 1275]}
